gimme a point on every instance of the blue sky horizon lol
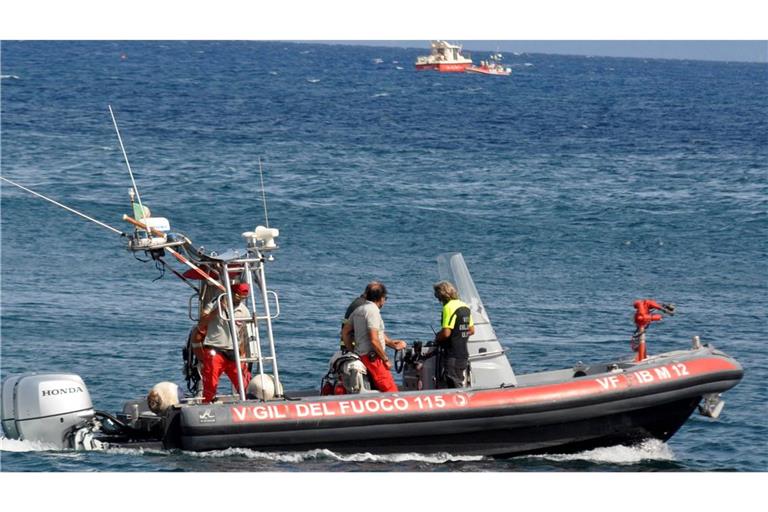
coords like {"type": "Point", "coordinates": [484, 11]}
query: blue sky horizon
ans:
{"type": "Point", "coordinates": [683, 29]}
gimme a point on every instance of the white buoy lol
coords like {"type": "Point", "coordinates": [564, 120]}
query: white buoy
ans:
{"type": "Point", "coordinates": [265, 391]}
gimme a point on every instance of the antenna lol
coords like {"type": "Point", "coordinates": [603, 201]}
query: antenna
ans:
{"type": "Point", "coordinates": [125, 155]}
{"type": "Point", "coordinates": [263, 193]}
{"type": "Point", "coordinates": [41, 196]}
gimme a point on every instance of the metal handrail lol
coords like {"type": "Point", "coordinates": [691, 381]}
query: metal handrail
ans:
{"type": "Point", "coordinates": [277, 306]}
{"type": "Point", "coordinates": [233, 330]}
{"type": "Point", "coordinates": [192, 298]}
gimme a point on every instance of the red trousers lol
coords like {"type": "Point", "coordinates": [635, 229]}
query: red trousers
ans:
{"type": "Point", "coordinates": [380, 375]}
{"type": "Point", "coordinates": [214, 364]}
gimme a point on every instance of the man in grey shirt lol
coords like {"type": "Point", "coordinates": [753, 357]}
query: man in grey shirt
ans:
{"type": "Point", "coordinates": [366, 327]}
{"type": "Point", "coordinates": [348, 343]}
{"type": "Point", "coordinates": [218, 346]}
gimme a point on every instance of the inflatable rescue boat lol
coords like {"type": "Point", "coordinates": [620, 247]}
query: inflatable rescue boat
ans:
{"type": "Point", "coordinates": [496, 413]}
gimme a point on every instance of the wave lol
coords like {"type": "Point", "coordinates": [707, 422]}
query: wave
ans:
{"type": "Point", "coordinates": [115, 450]}
{"type": "Point", "coordinates": [650, 450]}
{"type": "Point", "coordinates": [324, 454]}
{"type": "Point", "coordinates": [313, 80]}
{"type": "Point", "coordinates": [9, 77]}
{"type": "Point", "coordinates": [15, 445]}
{"type": "Point", "coordinates": [380, 94]}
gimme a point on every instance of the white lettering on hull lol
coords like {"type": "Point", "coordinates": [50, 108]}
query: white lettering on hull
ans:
{"type": "Point", "coordinates": [372, 405]}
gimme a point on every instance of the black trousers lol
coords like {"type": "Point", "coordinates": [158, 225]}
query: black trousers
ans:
{"type": "Point", "coordinates": [454, 371]}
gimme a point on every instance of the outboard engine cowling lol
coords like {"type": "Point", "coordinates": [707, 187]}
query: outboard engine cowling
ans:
{"type": "Point", "coordinates": [44, 407]}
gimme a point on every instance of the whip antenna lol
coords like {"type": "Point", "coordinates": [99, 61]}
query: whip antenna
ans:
{"type": "Point", "coordinates": [263, 193]}
{"type": "Point", "coordinates": [41, 196]}
{"type": "Point", "coordinates": [125, 155]}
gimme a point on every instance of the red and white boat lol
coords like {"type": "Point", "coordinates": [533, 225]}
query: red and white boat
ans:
{"type": "Point", "coordinates": [444, 57]}
{"type": "Point", "coordinates": [492, 66]}
{"type": "Point", "coordinates": [498, 412]}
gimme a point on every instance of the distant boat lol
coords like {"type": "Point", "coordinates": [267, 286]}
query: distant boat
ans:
{"type": "Point", "coordinates": [444, 57]}
{"type": "Point", "coordinates": [492, 66]}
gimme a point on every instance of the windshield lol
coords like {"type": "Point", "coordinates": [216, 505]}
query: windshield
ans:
{"type": "Point", "coordinates": [451, 267]}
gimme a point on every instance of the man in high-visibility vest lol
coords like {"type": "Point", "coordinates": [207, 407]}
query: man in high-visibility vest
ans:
{"type": "Point", "coordinates": [456, 326]}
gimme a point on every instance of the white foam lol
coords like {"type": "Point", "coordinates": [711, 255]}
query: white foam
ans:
{"type": "Point", "coordinates": [134, 451]}
{"type": "Point", "coordinates": [652, 449]}
{"type": "Point", "coordinates": [323, 454]}
{"type": "Point", "coordinates": [16, 445]}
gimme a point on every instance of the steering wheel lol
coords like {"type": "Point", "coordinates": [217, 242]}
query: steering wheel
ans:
{"type": "Point", "coordinates": [399, 360]}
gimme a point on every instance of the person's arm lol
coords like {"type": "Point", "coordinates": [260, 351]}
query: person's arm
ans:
{"type": "Point", "coordinates": [347, 336]}
{"type": "Point", "coordinates": [443, 335]}
{"type": "Point", "coordinates": [209, 313]}
{"type": "Point", "coordinates": [378, 348]}
{"type": "Point", "coordinates": [395, 344]}
{"type": "Point", "coordinates": [242, 334]}
{"type": "Point", "coordinates": [202, 323]}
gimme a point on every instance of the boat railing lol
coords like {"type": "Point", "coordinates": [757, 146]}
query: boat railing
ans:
{"type": "Point", "coordinates": [194, 305]}
{"type": "Point", "coordinates": [255, 272]}
{"type": "Point", "coordinates": [250, 269]}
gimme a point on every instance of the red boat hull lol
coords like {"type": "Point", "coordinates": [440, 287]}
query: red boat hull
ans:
{"type": "Point", "coordinates": [486, 71]}
{"type": "Point", "coordinates": [650, 401]}
{"type": "Point", "coordinates": [444, 67]}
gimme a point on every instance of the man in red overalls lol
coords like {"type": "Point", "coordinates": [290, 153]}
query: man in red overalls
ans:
{"type": "Point", "coordinates": [218, 350]}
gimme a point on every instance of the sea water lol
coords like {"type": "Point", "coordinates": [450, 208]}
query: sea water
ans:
{"type": "Point", "coordinates": [572, 187]}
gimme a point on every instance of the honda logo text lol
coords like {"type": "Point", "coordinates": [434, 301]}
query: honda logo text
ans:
{"type": "Point", "coordinates": [62, 391]}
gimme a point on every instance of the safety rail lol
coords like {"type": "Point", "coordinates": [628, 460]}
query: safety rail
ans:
{"type": "Point", "coordinates": [277, 306]}
{"type": "Point", "coordinates": [248, 269]}
{"type": "Point", "coordinates": [194, 298]}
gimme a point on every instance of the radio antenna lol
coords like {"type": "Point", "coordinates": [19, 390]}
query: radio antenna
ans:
{"type": "Point", "coordinates": [125, 155]}
{"type": "Point", "coordinates": [263, 193]}
{"type": "Point", "coordinates": [81, 214]}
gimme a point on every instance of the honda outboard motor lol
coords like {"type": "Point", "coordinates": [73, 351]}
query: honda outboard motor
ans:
{"type": "Point", "coordinates": [44, 407]}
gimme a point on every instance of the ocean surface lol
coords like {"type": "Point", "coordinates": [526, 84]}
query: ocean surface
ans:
{"type": "Point", "coordinates": [572, 187]}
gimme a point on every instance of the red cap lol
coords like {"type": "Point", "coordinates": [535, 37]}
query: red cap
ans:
{"type": "Point", "coordinates": [241, 289]}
